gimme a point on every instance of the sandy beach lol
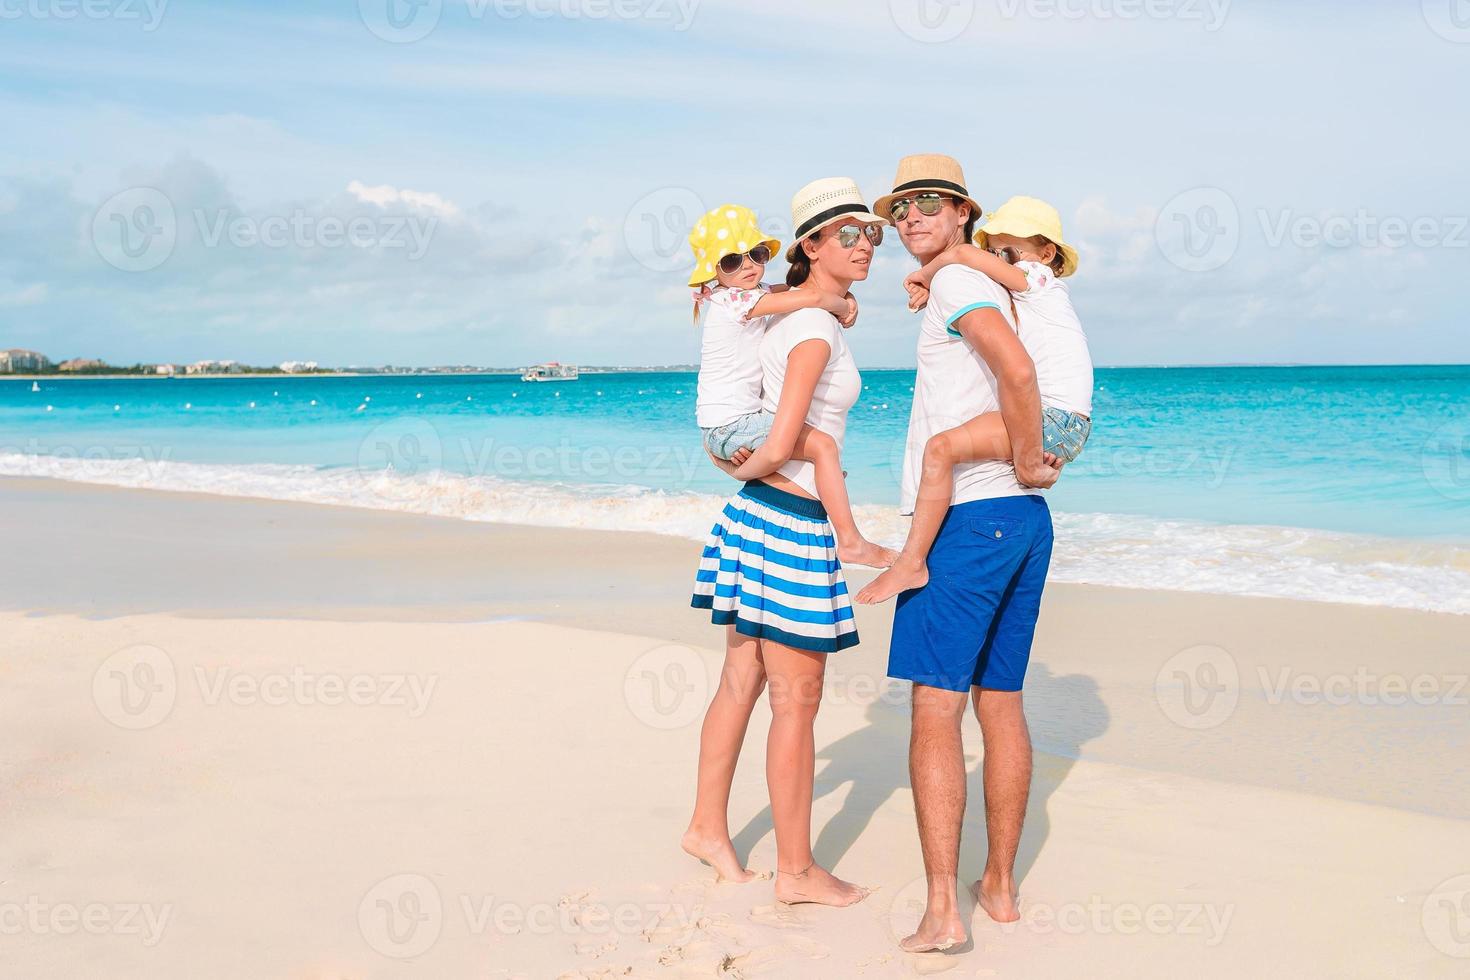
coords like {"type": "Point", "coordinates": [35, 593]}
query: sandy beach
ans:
{"type": "Point", "coordinates": [251, 738]}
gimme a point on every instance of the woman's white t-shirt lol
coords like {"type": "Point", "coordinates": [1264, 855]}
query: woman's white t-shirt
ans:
{"type": "Point", "coordinates": [837, 389]}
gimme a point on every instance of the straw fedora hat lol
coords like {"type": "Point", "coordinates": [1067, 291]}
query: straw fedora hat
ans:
{"type": "Point", "coordinates": [823, 202]}
{"type": "Point", "coordinates": [1027, 217]}
{"type": "Point", "coordinates": [927, 172]}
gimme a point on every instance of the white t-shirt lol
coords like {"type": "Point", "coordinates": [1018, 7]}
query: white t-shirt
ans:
{"type": "Point", "coordinates": [1053, 337]}
{"type": "Point", "coordinates": [729, 358]}
{"type": "Point", "coordinates": [837, 389]}
{"type": "Point", "coordinates": [954, 385]}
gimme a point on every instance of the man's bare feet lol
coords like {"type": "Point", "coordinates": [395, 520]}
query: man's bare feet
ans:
{"type": "Point", "coordinates": [819, 886]}
{"type": "Point", "coordinates": [997, 899]}
{"type": "Point", "coordinates": [900, 578]}
{"type": "Point", "coordinates": [865, 552]}
{"type": "Point", "coordinates": [936, 933]}
{"type": "Point", "coordinates": [719, 854]}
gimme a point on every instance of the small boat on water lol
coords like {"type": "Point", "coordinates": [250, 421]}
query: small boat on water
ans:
{"type": "Point", "coordinates": [35, 386]}
{"type": "Point", "coordinates": [550, 371]}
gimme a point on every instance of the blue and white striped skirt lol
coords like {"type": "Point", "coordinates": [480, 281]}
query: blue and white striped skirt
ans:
{"type": "Point", "coordinates": [770, 567]}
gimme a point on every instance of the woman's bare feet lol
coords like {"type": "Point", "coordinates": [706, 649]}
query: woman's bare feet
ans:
{"type": "Point", "coordinates": [718, 853]}
{"type": "Point", "coordinates": [936, 933]}
{"type": "Point", "coordinates": [900, 578]}
{"type": "Point", "coordinates": [864, 552]}
{"type": "Point", "coordinates": [997, 898]}
{"type": "Point", "coordinates": [819, 886]}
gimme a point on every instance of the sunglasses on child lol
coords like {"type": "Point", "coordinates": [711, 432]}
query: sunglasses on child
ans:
{"type": "Point", "coordinates": [928, 204]}
{"type": "Point", "coordinates": [730, 264]}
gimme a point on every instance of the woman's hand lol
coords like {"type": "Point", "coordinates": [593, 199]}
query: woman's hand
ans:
{"type": "Point", "coordinates": [725, 464]}
{"type": "Point", "coordinates": [850, 317]}
{"type": "Point", "coordinates": [739, 456]}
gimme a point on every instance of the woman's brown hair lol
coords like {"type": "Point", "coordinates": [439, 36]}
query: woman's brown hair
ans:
{"type": "Point", "coordinates": [801, 263]}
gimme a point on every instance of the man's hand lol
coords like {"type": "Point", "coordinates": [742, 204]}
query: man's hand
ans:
{"type": "Point", "coordinates": [1042, 477]}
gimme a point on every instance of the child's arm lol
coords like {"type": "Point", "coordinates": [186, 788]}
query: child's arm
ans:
{"type": "Point", "coordinates": [790, 300]}
{"type": "Point", "coordinates": [975, 258]}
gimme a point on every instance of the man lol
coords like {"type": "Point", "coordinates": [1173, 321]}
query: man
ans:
{"type": "Point", "coordinates": [966, 635]}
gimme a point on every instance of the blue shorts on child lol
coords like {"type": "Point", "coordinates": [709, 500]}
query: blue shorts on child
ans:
{"type": "Point", "coordinates": [747, 431]}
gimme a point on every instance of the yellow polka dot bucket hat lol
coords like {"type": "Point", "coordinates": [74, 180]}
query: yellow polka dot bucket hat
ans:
{"type": "Point", "coordinates": [726, 230]}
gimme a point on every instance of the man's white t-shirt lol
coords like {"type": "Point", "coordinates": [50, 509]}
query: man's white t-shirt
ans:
{"type": "Point", "coordinates": [1053, 337]}
{"type": "Point", "coordinates": [954, 385]}
{"type": "Point", "coordinates": [837, 389]}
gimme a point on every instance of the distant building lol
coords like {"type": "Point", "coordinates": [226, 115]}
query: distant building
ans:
{"type": "Point", "coordinates": [213, 367]}
{"type": "Point", "coordinates": [17, 359]}
{"type": "Point", "coordinates": [298, 367]}
{"type": "Point", "coordinates": [81, 364]}
{"type": "Point", "coordinates": [165, 369]}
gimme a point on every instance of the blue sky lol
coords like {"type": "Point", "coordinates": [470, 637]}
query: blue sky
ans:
{"type": "Point", "coordinates": [1247, 181]}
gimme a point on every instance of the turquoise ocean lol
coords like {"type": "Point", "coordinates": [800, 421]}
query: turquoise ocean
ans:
{"type": "Point", "coordinates": [1347, 484]}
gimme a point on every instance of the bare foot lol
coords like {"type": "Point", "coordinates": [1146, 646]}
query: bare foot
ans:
{"type": "Point", "coordinates": [936, 933]}
{"type": "Point", "coordinates": [865, 552]}
{"type": "Point", "coordinates": [998, 901]}
{"type": "Point", "coordinates": [819, 886]}
{"type": "Point", "coordinates": [719, 854]}
{"type": "Point", "coordinates": [899, 578]}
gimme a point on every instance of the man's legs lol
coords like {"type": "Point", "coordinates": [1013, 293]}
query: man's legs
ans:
{"type": "Point", "coordinates": [1007, 773]}
{"type": "Point", "coordinates": [937, 771]}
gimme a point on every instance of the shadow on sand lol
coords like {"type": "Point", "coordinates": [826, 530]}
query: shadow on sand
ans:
{"type": "Point", "coordinates": [1064, 713]}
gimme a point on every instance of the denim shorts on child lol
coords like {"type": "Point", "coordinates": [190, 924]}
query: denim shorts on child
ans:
{"type": "Point", "coordinates": [1064, 433]}
{"type": "Point", "coordinates": [746, 431]}
{"type": "Point", "coordinates": [973, 623]}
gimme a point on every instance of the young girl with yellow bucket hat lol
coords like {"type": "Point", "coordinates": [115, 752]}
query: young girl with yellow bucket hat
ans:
{"type": "Point", "coordinates": [1021, 247]}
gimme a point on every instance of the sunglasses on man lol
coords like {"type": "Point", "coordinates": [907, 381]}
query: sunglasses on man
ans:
{"type": "Point", "coordinates": [928, 204]}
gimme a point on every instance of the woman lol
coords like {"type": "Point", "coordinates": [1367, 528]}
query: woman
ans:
{"type": "Point", "coordinates": [770, 573]}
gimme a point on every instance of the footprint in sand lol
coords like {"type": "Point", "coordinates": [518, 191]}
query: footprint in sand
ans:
{"type": "Point", "coordinates": [595, 947]}
{"type": "Point", "coordinates": [778, 954]}
{"type": "Point", "coordinates": [781, 916]}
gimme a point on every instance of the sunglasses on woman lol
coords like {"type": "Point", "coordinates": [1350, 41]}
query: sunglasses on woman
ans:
{"type": "Point", "coordinates": [848, 235]}
{"type": "Point", "coordinates": [928, 204]}
{"type": "Point", "coordinates": [730, 264]}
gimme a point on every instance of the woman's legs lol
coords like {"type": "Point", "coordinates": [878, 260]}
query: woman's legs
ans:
{"type": "Point", "coordinates": [742, 679]}
{"type": "Point", "coordinates": [983, 437]}
{"type": "Point", "coordinates": [795, 695]}
{"type": "Point", "coordinates": [820, 449]}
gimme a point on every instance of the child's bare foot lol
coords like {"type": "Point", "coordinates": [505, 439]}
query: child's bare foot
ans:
{"type": "Point", "coordinates": [900, 578]}
{"type": "Point", "coordinates": [864, 552]}
{"type": "Point", "coordinates": [997, 899]}
{"type": "Point", "coordinates": [718, 853]}
{"type": "Point", "coordinates": [817, 885]}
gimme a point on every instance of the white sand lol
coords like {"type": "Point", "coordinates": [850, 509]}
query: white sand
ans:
{"type": "Point", "coordinates": [329, 798]}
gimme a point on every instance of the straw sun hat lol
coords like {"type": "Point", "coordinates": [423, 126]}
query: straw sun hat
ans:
{"type": "Point", "coordinates": [823, 202]}
{"type": "Point", "coordinates": [927, 172]}
{"type": "Point", "coordinates": [1027, 217]}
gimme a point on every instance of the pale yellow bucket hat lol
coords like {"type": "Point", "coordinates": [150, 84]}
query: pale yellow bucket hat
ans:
{"type": "Point", "coordinates": [726, 230]}
{"type": "Point", "coordinates": [1027, 217]}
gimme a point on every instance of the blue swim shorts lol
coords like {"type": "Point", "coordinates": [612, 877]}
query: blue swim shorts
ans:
{"type": "Point", "coordinates": [747, 431]}
{"type": "Point", "coordinates": [972, 625]}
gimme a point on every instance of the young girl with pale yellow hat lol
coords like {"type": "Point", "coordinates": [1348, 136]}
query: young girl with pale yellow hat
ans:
{"type": "Point", "coordinates": [1020, 247]}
